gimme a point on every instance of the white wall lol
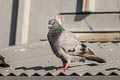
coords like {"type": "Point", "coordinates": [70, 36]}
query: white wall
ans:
{"type": "Point", "coordinates": [32, 19]}
{"type": "Point", "coordinates": [5, 22]}
{"type": "Point", "coordinates": [107, 5]}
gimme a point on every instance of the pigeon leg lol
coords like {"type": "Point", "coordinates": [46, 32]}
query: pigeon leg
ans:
{"type": "Point", "coordinates": [65, 66]}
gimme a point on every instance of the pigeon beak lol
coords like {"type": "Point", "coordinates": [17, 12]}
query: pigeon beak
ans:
{"type": "Point", "coordinates": [49, 26]}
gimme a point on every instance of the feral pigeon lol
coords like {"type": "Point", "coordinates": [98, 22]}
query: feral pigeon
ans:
{"type": "Point", "coordinates": [66, 46]}
{"type": "Point", "coordinates": [2, 62]}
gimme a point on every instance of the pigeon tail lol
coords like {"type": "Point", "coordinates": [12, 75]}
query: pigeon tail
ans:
{"type": "Point", "coordinates": [93, 58]}
{"type": "Point", "coordinates": [97, 59]}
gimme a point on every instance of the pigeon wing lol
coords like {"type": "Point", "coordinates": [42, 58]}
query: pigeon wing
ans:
{"type": "Point", "coordinates": [69, 44]}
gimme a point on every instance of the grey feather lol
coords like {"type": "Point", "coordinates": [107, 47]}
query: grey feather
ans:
{"type": "Point", "coordinates": [65, 45]}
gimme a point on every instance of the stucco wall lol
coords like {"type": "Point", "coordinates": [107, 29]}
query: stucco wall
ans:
{"type": "Point", "coordinates": [5, 22]}
{"type": "Point", "coordinates": [13, 17]}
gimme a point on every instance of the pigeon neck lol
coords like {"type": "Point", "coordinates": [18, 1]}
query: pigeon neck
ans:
{"type": "Point", "coordinates": [61, 28]}
{"type": "Point", "coordinates": [56, 32]}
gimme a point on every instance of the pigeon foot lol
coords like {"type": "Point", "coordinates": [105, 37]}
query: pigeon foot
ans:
{"type": "Point", "coordinates": [65, 68]}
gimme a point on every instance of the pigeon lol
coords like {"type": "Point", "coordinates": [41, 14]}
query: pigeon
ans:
{"type": "Point", "coordinates": [67, 47]}
{"type": "Point", "coordinates": [2, 62]}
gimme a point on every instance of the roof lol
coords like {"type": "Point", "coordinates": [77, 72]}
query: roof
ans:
{"type": "Point", "coordinates": [38, 59]}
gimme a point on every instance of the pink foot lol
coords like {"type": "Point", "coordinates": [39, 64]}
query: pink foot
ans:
{"type": "Point", "coordinates": [65, 68]}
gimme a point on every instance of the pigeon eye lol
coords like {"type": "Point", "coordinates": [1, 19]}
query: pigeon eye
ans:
{"type": "Point", "coordinates": [53, 23]}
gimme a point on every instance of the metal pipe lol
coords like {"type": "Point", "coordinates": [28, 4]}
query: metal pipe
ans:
{"type": "Point", "coordinates": [84, 5]}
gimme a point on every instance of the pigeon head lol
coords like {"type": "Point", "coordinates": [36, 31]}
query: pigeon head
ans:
{"type": "Point", "coordinates": [54, 25]}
